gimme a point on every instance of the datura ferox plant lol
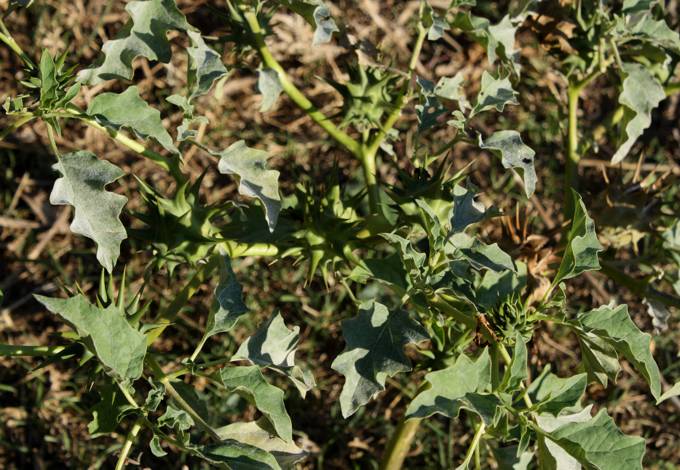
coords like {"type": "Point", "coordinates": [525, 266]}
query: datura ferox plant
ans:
{"type": "Point", "coordinates": [454, 311]}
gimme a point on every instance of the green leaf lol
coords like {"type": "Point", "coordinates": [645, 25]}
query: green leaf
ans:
{"type": "Point", "coordinates": [109, 411]}
{"type": "Point", "coordinates": [674, 391]}
{"type": "Point", "coordinates": [175, 418]}
{"type": "Point", "coordinates": [599, 358]}
{"type": "Point", "coordinates": [205, 66]}
{"type": "Point", "coordinates": [555, 395]}
{"type": "Point", "coordinates": [552, 456]}
{"type": "Point", "coordinates": [155, 447]}
{"type": "Point", "coordinates": [509, 458]}
{"type": "Point", "coordinates": [129, 110]}
{"type": "Point", "coordinates": [255, 180]}
{"type": "Point", "coordinates": [261, 435]}
{"type": "Point", "coordinates": [375, 339]}
{"type": "Point", "coordinates": [614, 326]}
{"type": "Point", "coordinates": [465, 210]}
{"type": "Point", "coordinates": [495, 93]}
{"type": "Point", "coordinates": [97, 211]}
{"type": "Point", "coordinates": [238, 456]}
{"type": "Point", "coordinates": [248, 380]}
{"type": "Point", "coordinates": [514, 154]}
{"type": "Point", "coordinates": [480, 255]}
{"type": "Point", "coordinates": [582, 248]}
{"type": "Point", "coordinates": [458, 386]}
{"type": "Point", "coordinates": [117, 345]}
{"type": "Point", "coordinates": [269, 86]}
{"type": "Point", "coordinates": [145, 35]}
{"type": "Point", "coordinates": [641, 93]}
{"type": "Point", "coordinates": [594, 443]}
{"type": "Point", "coordinates": [517, 371]}
{"type": "Point", "coordinates": [272, 345]}
{"type": "Point", "coordinates": [229, 304]}
{"type": "Point", "coordinates": [325, 25]}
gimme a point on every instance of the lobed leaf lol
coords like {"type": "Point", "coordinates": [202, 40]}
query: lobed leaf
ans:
{"type": "Point", "coordinates": [461, 385]}
{"type": "Point", "coordinates": [118, 346]}
{"type": "Point", "coordinates": [374, 351]}
{"type": "Point", "coordinates": [205, 66]}
{"type": "Point", "coordinates": [249, 381]}
{"type": "Point", "coordinates": [614, 326]}
{"type": "Point", "coordinates": [514, 154]}
{"type": "Point", "coordinates": [594, 443]}
{"type": "Point", "coordinates": [555, 395]}
{"type": "Point", "coordinates": [249, 165]}
{"type": "Point", "coordinates": [642, 92]}
{"type": "Point", "coordinates": [580, 255]}
{"type": "Point", "coordinates": [97, 211]}
{"type": "Point", "coordinates": [229, 304]}
{"type": "Point", "coordinates": [495, 93]}
{"type": "Point", "coordinates": [145, 35]}
{"type": "Point", "coordinates": [129, 110]}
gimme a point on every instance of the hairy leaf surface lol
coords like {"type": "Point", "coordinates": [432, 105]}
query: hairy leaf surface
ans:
{"type": "Point", "coordinates": [249, 165]}
{"type": "Point", "coordinates": [97, 211]}
{"type": "Point", "coordinates": [641, 93]}
{"type": "Point", "coordinates": [145, 35]}
{"type": "Point", "coordinates": [614, 326]}
{"type": "Point", "coordinates": [129, 110]}
{"type": "Point", "coordinates": [249, 381]}
{"type": "Point", "coordinates": [119, 347]}
{"type": "Point", "coordinates": [514, 154]}
{"type": "Point", "coordinates": [374, 351]}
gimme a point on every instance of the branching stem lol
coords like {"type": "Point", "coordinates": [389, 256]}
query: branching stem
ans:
{"type": "Point", "coordinates": [127, 445]}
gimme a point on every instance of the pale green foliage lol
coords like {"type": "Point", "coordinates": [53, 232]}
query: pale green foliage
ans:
{"type": "Point", "coordinates": [249, 165]}
{"type": "Point", "coordinates": [614, 326]}
{"type": "Point", "coordinates": [144, 36]}
{"type": "Point", "coordinates": [375, 339]}
{"type": "Point", "coordinates": [465, 210]}
{"type": "Point", "coordinates": [269, 86]}
{"type": "Point", "coordinates": [495, 93]}
{"type": "Point", "coordinates": [514, 154]}
{"type": "Point", "coordinates": [592, 442]}
{"type": "Point", "coordinates": [237, 455]}
{"type": "Point", "coordinates": [641, 93]}
{"type": "Point", "coordinates": [228, 306]}
{"type": "Point", "coordinates": [273, 344]}
{"type": "Point", "coordinates": [462, 385]}
{"type": "Point", "coordinates": [517, 371]}
{"type": "Point", "coordinates": [249, 381]}
{"type": "Point", "coordinates": [581, 253]}
{"type": "Point", "coordinates": [205, 66]}
{"type": "Point", "coordinates": [261, 435]}
{"type": "Point", "coordinates": [556, 395]}
{"type": "Point", "coordinates": [117, 345]}
{"type": "Point", "coordinates": [97, 211]}
{"type": "Point", "coordinates": [674, 391]}
{"type": "Point", "coordinates": [317, 14]}
{"type": "Point", "coordinates": [128, 110]}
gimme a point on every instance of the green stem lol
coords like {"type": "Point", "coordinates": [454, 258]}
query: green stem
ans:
{"type": "Point", "coordinates": [6, 37]}
{"type": "Point", "coordinates": [165, 380]}
{"type": "Point", "coordinates": [127, 446]}
{"type": "Point", "coordinates": [172, 165]}
{"type": "Point", "coordinates": [439, 303]}
{"type": "Point", "coordinates": [400, 444]}
{"type": "Point", "coordinates": [672, 88]}
{"type": "Point", "coordinates": [293, 92]}
{"type": "Point", "coordinates": [29, 351]}
{"type": "Point", "coordinates": [239, 250]}
{"type": "Point", "coordinates": [473, 445]}
{"type": "Point", "coordinates": [508, 360]}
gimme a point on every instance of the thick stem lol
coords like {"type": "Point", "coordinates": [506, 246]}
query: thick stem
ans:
{"type": "Point", "coordinates": [127, 446]}
{"type": "Point", "coordinates": [400, 444]}
{"type": "Point", "coordinates": [293, 92]}
{"type": "Point", "coordinates": [368, 166]}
